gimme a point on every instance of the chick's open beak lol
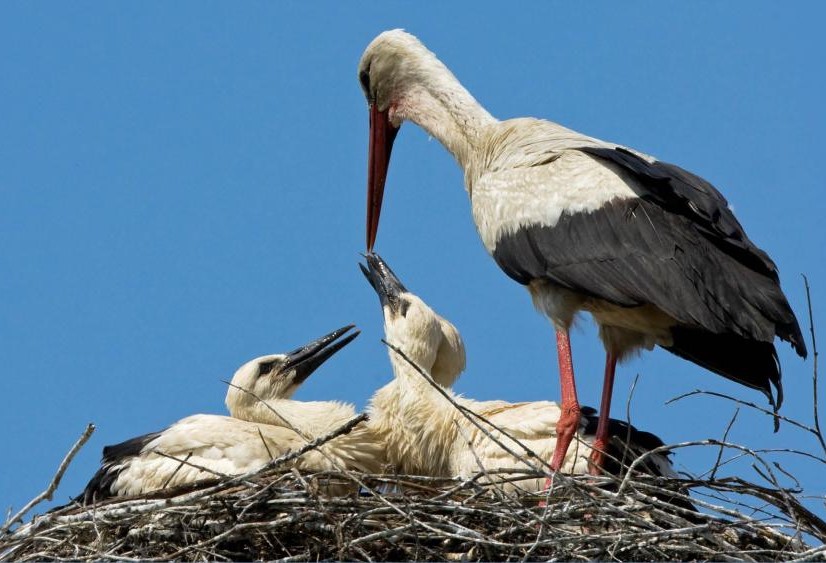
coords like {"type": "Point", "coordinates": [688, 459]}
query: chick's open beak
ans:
{"type": "Point", "coordinates": [387, 285]}
{"type": "Point", "coordinates": [308, 358]}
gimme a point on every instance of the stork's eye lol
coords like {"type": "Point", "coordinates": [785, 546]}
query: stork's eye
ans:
{"type": "Point", "coordinates": [265, 367]}
{"type": "Point", "coordinates": [364, 78]}
{"type": "Point", "coordinates": [404, 305]}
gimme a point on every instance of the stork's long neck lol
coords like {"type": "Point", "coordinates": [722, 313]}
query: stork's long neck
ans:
{"type": "Point", "coordinates": [439, 104]}
{"type": "Point", "coordinates": [415, 421]}
{"type": "Point", "coordinates": [310, 418]}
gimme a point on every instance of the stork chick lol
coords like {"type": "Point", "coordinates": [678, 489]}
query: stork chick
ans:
{"type": "Point", "coordinates": [261, 390]}
{"type": "Point", "coordinates": [425, 434]}
{"type": "Point", "coordinates": [205, 446]}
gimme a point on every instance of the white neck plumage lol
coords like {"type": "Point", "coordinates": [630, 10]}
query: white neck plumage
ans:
{"type": "Point", "coordinates": [438, 103]}
{"type": "Point", "coordinates": [309, 418]}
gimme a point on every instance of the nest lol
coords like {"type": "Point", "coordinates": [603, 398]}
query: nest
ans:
{"type": "Point", "coordinates": [283, 514]}
{"type": "Point", "coordinates": [280, 513]}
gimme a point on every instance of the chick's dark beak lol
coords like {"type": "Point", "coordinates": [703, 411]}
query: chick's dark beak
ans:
{"type": "Point", "coordinates": [308, 358]}
{"type": "Point", "coordinates": [384, 281]}
{"type": "Point", "coordinates": [382, 135]}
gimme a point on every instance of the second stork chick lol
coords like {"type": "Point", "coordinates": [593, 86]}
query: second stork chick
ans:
{"type": "Point", "coordinates": [425, 434]}
{"type": "Point", "coordinates": [204, 446]}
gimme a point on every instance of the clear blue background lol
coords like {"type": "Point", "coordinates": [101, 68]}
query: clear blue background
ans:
{"type": "Point", "coordinates": [182, 188]}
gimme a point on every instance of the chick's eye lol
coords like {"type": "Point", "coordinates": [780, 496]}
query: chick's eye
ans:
{"type": "Point", "coordinates": [403, 307]}
{"type": "Point", "coordinates": [265, 367]}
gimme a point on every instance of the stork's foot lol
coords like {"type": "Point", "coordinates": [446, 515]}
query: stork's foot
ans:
{"type": "Point", "coordinates": [566, 428]}
{"type": "Point", "coordinates": [596, 458]}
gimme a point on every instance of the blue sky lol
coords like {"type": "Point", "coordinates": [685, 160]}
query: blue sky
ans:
{"type": "Point", "coordinates": [182, 188]}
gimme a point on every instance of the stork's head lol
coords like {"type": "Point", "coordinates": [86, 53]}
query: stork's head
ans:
{"type": "Point", "coordinates": [393, 63]}
{"type": "Point", "coordinates": [402, 80]}
{"type": "Point", "coordinates": [390, 71]}
{"type": "Point", "coordinates": [411, 325]}
{"type": "Point", "coordinates": [277, 376]}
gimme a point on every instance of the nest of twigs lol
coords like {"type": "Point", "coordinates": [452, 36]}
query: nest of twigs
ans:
{"type": "Point", "coordinates": [279, 513]}
{"type": "Point", "coordinates": [282, 514]}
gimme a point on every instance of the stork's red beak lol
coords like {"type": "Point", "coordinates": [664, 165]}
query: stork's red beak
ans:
{"type": "Point", "coordinates": [382, 135]}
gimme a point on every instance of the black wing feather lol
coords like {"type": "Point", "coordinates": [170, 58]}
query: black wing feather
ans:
{"type": "Point", "coordinates": [677, 246]}
{"type": "Point", "coordinates": [632, 252]}
{"type": "Point", "coordinates": [680, 192]}
{"type": "Point", "coordinates": [115, 458]}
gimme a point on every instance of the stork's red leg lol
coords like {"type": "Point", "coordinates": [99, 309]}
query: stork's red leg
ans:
{"type": "Point", "coordinates": [601, 441]}
{"type": "Point", "coordinates": [569, 420]}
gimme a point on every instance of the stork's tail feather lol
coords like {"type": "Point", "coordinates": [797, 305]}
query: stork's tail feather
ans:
{"type": "Point", "coordinates": [790, 332]}
{"type": "Point", "coordinates": [114, 458]}
{"type": "Point", "coordinates": [99, 487]}
{"type": "Point", "coordinates": [749, 362]}
{"type": "Point", "coordinates": [626, 444]}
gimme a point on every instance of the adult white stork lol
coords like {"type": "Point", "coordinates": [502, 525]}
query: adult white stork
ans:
{"type": "Point", "coordinates": [204, 446]}
{"type": "Point", "coordinates": [652, 251]}
{"type": "Point", "coordinates": [424, 434]}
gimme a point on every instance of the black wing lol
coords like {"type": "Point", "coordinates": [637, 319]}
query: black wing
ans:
{"type": "Point", "coordinates": [677, 247]}
{"type": "Point", "coordinates": [682, 193]}
{"type": "Point", "coordinates": [114, 460]}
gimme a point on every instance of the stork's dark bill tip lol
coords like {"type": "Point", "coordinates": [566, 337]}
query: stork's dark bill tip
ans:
{"type": "Point", "coordinates": [383, 280]}
{"type": "Point", "coordinates": [377, 263]}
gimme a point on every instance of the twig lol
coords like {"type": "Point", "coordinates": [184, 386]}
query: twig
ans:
{"type": "Point", "coordinates": [722, 448]}
{"type": "Point", "coordinates": [183, 462]}
{"type": "Point", "coordinates": [818, 432]}
{"type": "Point", "coordinates": [314, 444]}
{"type": "Point", "coordinates": [744, 403]}
{"type": "Point", "coordinates": [264, 442]}
{"type": "Point", "coordinates": [47, 494]}
{"type": "Point", "coordinates": [180, 464]}
{"type": "Point", "coordinates": [625, 451]}
{"type": "Point", "coordinates": [470, 415]}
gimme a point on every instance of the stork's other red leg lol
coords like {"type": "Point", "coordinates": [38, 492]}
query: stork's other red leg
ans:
{"type": "Point", "coordinates": [601, 441]}
{"type": "Point", "coordinates": [569, 420]}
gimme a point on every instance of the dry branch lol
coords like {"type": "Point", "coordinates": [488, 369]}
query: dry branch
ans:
{"type": "Point", "coordinates": [47, 494]}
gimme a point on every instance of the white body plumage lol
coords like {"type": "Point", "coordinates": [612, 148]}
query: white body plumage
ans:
{"type": "Point", "coordinates": [265, 424]}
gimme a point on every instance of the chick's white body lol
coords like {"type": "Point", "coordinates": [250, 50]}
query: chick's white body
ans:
{"type": "Point", "coordinates": [265, 425]}
{"type": "Point", "coordinates": [425, 434]}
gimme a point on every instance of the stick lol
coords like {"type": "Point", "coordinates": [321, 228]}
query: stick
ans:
{"type": "Point", "coordinates": [818, 432]}
{"type": "Point", "coordinates": [47, 494]}
{"type": "Point", "coordinates": [744, 403]}
{"type": "Point", "coordinates": [722, 448]}
{"type": "Point", "coordinates": [470, 415]}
